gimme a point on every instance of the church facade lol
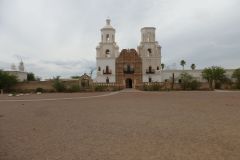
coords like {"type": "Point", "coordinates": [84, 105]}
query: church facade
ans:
{"type": "Point", "coordinates": [129, 67]}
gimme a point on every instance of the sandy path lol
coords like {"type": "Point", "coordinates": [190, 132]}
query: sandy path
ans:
{"type": "Point", "coordinates": [124, 126]}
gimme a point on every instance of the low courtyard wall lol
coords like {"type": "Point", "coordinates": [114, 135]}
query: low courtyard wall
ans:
{"type": "Point", "coordinates": [47, 86]}
{"type": "Point", "coordinates": [168, 86]}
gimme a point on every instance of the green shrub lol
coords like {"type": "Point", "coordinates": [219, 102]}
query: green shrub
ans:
{"type": "Point", "coordinates": [214, 74]}
{"type": "Point", "coordinates": [39, 89]}
{"type": "Point", "coordinates": [7, 81]}
{"type": "Point", "coordinates": [58, 85]}
{"type": "Point", "coordinates": [156, 87]}
{"type": "Point", "coordinates": [74, 88]}
{"type": "Point", "coordinates": [195, 85]}
{"type": "Point", "coordinates": [236, 76]}
{"type": "Point", "coordinates": [152, 87]}
{"type": "Point", "coordinates": [116, 88]}
{"type": "Point", "coordinates": [145, 87]}
{"type": "Point", "coordinates": [188, 82]}
{"type": "Point", "coordinates": [100, 88]}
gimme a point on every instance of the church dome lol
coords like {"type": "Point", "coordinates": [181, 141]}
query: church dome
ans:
{"type": "Point", "coordinates": [108, 25]}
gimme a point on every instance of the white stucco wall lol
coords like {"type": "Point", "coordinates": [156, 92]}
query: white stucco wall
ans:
{"type": "Point", "coordinates": [197, 74]}
{"type": "Point", "coordinates": [21, 76]}
{"type": "Point", "coordinates": [155, 77]}
{"type": "Point", "coordinates": [102, 63]}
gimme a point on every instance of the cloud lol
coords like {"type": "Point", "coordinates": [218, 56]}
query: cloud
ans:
{"type": "Point", "coordinates": [58, 37]}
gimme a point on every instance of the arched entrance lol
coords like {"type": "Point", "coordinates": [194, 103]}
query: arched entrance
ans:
{"type": "Point", "coordinates": [128, 83]}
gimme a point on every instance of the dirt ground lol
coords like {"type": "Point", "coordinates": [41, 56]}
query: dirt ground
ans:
{"type": "Point", "coordinates": [121, 126]}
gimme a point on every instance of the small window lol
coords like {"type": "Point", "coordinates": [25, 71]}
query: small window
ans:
{"type": "Point", "coordinates": [179, 81]}
{"type": "Point", "coordinates": [99, 68]}
{"type": "Point", "coordinates": [157, 67]}
{"type": "Point", "coordinates": [150, 68]}
{"type": "Point", "coordinates": [128, 68]}
{"type": "Point", "coordinates": [107, 69]}
{"type": "Point", "coordinates": [107, 80]}
{"type": "Point", "coordinates": [149, 79]}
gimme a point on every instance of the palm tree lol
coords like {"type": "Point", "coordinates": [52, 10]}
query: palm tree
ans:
{"type": "Point", "coordinates": [193, 66]}
{"type": "Point", "coordinates": [182, 63]}
{"type": "Point", "coordinates": [162, 65]}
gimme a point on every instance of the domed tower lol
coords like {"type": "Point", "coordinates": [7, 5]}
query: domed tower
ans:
{"type": "Point", "coordinates": [21, 66]}
{"type": "Point", "coordinates": [150, 52]}
{"type": "Point", "coordinates": [107, 51]}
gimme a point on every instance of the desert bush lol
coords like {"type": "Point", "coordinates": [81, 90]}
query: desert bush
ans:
{"type": "Point", "coordinates": [7, 81]}
{"type": "Point", "coordinates": [116, 88]}
{"type": "Point", "coordinates": [236, 76]}
{"type": "Point", "coordinates": [188, 82]}
{"type": "Point", "coordinates": [58, 85]}
{"type": "Point", "coordinates": [100, 88]}
{"type": "Point", "coordinates": [39, 89]}
{"type": "Point", "coordinates": [195, 85]}
{"type": "Point", "coordinates": [152, 87]}
{"type": "Point", "coordinates": [156, 87]}
{"type": "Point", "coordinates": [74, 88]}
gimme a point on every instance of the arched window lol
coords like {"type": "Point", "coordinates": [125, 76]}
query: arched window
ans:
{"type": "Point", "coordinates": [107, 37]}
{"type": "Point", "coordinates": [149, 50]}
{"type": "Point", "coordinates": [99, 68]}
{"type": "Point", "coordinates": [157, 67]}
{"type": "Point", "coordinates": [107, 52]}
{"type": "Point", "coordinates": [148, 38]}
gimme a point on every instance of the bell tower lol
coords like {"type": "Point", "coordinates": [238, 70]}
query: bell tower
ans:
{"type": "Point", "coordinates": [150, 52]}
{"type": "Point", "coordinates": [108, 33]}
{"type": "Point", "coordinates": [107, 51]}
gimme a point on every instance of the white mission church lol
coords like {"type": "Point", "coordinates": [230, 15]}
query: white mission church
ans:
{"type": "Point", "coordinates": [133, 67]}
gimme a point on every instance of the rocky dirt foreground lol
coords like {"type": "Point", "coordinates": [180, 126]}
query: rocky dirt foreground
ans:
{"type": "Point", "coordinates": [121, 126]}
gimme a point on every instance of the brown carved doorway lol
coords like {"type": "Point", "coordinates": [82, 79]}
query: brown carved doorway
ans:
{"type": "Point", "coordinates": [128, 83]}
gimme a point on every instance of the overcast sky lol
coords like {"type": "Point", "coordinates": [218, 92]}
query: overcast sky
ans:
{"type": "Point", "coordinates": [59, 37]}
